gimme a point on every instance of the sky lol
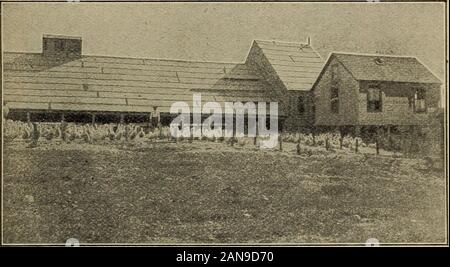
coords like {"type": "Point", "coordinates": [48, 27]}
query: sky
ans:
{"type": "Point", "coordinates": [224, 31]}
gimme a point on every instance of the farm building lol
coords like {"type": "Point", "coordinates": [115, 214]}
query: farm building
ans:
{"type": "Point", "coordinates": [366, 91]}
{"type": "Point", "coordinates": [348, 90]}
{"type": "Point", "coordinates": [62, 83]}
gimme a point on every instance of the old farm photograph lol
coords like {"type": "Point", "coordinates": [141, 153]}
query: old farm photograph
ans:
{"type": "Point", "coordinates": [223, 123]}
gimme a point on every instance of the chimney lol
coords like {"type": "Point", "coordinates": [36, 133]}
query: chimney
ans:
{"type": "Point", "coordinates": [61, 46]}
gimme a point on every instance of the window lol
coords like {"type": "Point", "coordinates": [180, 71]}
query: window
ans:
{"type": "Point", "coordinates": [301, 104]}
{"type": "Point", "coordinates": [334, 74]}
{"type": "Point", "coordinates": [60, 45]}
{"type": "Point", "coordinates": [419, 101]}
{"type": "Point", "coordinates": [374, 103]}
{"type": "Point", "coordinates": [334, 99]}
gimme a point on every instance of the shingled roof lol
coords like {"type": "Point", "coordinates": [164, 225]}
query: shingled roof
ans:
{"type": "Point", "coordinates": [97, 83]}
{"type": "Point", "coordinates": [296, 64]}
{"type": "Point", "coordinates": [385, 68]}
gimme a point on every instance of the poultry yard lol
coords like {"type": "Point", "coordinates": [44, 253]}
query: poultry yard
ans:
{"type": "Point", "coordinates": [150, 190]}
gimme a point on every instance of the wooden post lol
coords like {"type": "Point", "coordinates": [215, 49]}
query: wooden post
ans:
{"type": "Point", "coordinates": [280, 140]}
{"type": "Point", "coordinates": [327, 145]}
{"type": "Point", "coordinates": [122, 118]}
{"type": "Point", "coordinates": [256, 133]}
{"type": "Point", "coordinates": [341, 137]}
{"type": "Point", "coordinates": [377, 145]}
{"type": "Point", "coordinates": [93, 118]}
{"type": "Point", "coordinates": [234, 134]}
{"type": "Point", "coordinates": [149, 124]}
{"type": "Point", "coordinates": [36, 135]}
{"type": "Point", "coordinates": [357, 131]}
{"type": "Point", "coordinates": [156, 117]}
{"type": "Point", "coordinates": [298, 148]}
{"type": "Point", "coordinates": [314, 136]}
{"type": "Point", "coordinates": [388, 133]}
{"type": "Point", "coordinates": [411, 139]}
{"type": "Point", "coordinates": [28, 117]}
{"type": "Point", "coordinates": [356, 146]}
{"type": "Point", "coordinates": [191, 133]}
{"type": "Point", "coordinates": [63, 119]}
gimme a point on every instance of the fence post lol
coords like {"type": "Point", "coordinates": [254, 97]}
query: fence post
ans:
{"type": "Point", "coordinates": [298, 148]}
{"type": "Point", "coordinates": [377, 145]}
{"type": "Point", "coordinates": [280, 140]}
{"type": "Point", "coordinates": [232, 138]}
{"type": "Point", "coordinates": [327, 144]}
{"type": "Point", "coordinates": [356, 146]}
{"type": "Point", "coordinates": [389, 137]}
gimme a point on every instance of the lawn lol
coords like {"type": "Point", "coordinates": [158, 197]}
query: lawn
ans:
{"type": "Point", "coordinates": [205, 192]}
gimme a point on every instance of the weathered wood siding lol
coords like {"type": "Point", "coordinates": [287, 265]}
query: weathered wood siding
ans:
{"type": "Point", "coordinates": [348, 98]}
{"type": "Point", "coordinates": [295, 120]}
{"type": "Point", "coordinates": [258, 63]}
{"type": "Point", "coordinates": [396, 109]}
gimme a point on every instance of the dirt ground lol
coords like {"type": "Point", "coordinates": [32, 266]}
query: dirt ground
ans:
{"type": "Point", "coordinates": [205, 192]}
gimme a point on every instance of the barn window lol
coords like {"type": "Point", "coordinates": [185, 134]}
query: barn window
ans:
{"type": "Point", "coordinates": [419, 101]}
{"type": "Point", "coordinates": [59, 45]}
{"type": "Point", "coordinates": [301, 104]}
{"type": "Point", "coordinates": [334, 74]}
{"type": "Point", "coordinates": [334, 99]}
{"type": "Point", "coordinates": [374, 103]}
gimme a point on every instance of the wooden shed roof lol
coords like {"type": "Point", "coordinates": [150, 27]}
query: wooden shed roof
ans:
{"type": "Point", "coordinates": [297, 65]}
{"type": "Point", "coordinates": [386, 68]}
{"type": "Point", "coordinates": [98, 83]}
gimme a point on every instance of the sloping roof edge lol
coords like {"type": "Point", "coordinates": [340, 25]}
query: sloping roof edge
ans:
{"type": "Point", "coordinates": [333, 55]}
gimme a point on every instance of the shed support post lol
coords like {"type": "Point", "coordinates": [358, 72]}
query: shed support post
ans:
{"type": "Point", "coordinates": [255, 139]}
{"type": "Point", "coordinates": [377, 144]}
{"type": "Point", "coordinates": [357, 131]}
{"type": "Point", "coordinates": [412, 136]}
{"type": "Point", "coordinates": [149, 124]}
{"type": "Point", "coordinates": [28, 117]}
{"type": "Point", "coordinates": [63, 119]}
{"type": "Point", "coordinates": [314, 135]}
{"type": "Point", "coordinates": [341, 136]}
{"type": "Point", "coordinates": [92, 118]}
{"type": "Point", "coordinates": [122, 118]}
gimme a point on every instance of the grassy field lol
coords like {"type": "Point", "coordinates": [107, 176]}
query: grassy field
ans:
{"type": "Point", "coordinates": [213, 193]}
